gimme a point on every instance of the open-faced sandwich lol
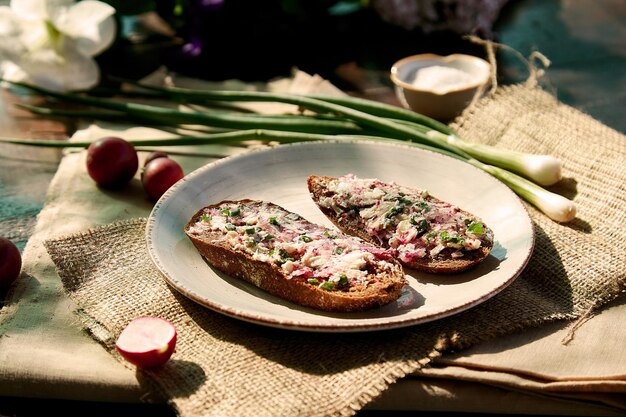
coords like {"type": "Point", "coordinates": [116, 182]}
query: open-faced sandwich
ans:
{"type": "Point", "coordinates": [292, 258]}
{"type": "Point", "coordinates": [424, 232]}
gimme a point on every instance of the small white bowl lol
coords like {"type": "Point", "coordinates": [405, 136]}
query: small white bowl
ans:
{"type": "Point", "coordinates": [445, 84]}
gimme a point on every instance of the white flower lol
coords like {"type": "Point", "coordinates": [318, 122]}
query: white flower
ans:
{"type": "Point", "coordinates": [51, 43]}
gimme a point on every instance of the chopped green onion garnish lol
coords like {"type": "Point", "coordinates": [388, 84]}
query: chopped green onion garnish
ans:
{"type": "Point", "coordinates": [313, 281]}
{"type": "Point", "coordinates": [327, 285]}
{"type": "Point", "coordinates": [476, 228]}
{"type": "Point", "coordinates": [421, 223]}
{"type": "Point", "coordinates": [421, 205]}
{"type": "Point", "coordinates": [343, 280]}
{"type": "Point", "coordinates": [394, 210]}
{"type": "Point", "coordinates": [445, 237]}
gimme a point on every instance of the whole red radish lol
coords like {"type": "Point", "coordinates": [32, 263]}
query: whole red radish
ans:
{"type": "Point", "coordinates": [159, 175]}
{"type": "Point", "coordinates": [147, 341]}
{"type": "Point", "coordinates": [154, 155]}
{"type": "Point", "coordinates": [10, 263]}
{"type": "Point", "coordinates": [112, 162]}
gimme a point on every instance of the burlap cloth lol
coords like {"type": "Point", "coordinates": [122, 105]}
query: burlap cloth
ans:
{"type": "Point", "coordinates": [226, 367]}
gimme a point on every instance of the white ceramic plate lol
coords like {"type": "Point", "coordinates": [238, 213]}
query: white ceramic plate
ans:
{"type": "Point", "coordinates": [279, 175]}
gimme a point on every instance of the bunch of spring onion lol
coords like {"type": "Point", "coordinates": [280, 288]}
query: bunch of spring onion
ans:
{"type": "Point", "coordinates": [328, 118]}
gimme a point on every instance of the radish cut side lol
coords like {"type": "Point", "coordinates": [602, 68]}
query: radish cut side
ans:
{"type": "Point", "coordinates": [147, 341]}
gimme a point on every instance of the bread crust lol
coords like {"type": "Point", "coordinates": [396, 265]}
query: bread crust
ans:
{"type": "Point", "coordinates": [271, 277]}
{"type": "Point", "coordinates": [351, 223]}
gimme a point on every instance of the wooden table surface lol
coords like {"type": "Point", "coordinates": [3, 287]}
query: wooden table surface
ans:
{"type": "Point", "coordinates": [25, 172]}
{"type": "Point", "coordinates": [586, 42]}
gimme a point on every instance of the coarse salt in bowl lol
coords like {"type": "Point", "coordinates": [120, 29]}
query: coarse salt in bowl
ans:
{"type": "Point", "coordinates": [439, 86]}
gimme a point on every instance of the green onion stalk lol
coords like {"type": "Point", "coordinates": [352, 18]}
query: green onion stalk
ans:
{"type": "Point", "coordinates": [151, 115]}
{"type": "Point", "coordinates": [371, 124]}
{"type": "Point", "coordinates": [542, 169]}
{"type": "Point", "coordinates": [555, 206]}
{"type": "Point", "coordinates": [349, 122]}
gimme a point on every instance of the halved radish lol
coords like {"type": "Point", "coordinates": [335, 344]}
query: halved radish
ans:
{"type": "Point", "coordinates": [147, 341]}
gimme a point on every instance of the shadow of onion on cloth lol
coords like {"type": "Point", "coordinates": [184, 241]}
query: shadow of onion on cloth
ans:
{"type": "Point", "coordinates": [567, 187]}
{"type": "Point", "coordinates": [541, 294]}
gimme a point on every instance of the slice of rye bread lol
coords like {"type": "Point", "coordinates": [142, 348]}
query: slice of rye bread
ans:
{"type": "Point", "coordinates": [385, 276]}
{"type": "Point", "coordinates": [351, 222]}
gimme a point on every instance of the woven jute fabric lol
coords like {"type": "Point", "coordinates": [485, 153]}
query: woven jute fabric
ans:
{"type": "Point", "coordinates": [580, 264]}
{"type": "Point", "coordinates": [227, 367]}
